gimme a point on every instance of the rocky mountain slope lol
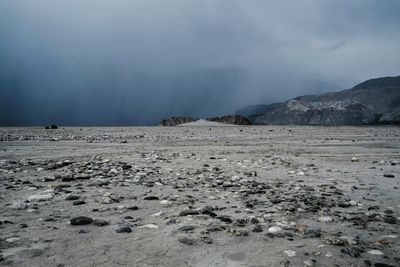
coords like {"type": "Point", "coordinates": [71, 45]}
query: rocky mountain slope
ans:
{"type": "Point", "coordinates": [375, 101]}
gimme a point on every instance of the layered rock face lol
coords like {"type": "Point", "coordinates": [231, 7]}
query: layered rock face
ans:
{"type": "Point", "coordinates": [375, 101]}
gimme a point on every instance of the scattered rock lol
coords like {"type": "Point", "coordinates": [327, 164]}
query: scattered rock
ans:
{"type": "Point", "coordinates": [149, 226]}
{"type": "Point", "coordinates": [165, 202]}
{"type": "Point", "coordinates": [274, 229]}
{"type": "Point", "coordinates": [354, 252]}
{"type": "Point", "coordinates": [325, 219]}
{"type": "Point", "coordinates": [99, 222]}
{"type": "Point", "coordinates": [151, 198]}
{"type": "Point", "coordinates": [41, 197]}
{"type": "Point", "coordinates": [335, 241]}
{"type": "Point", "coordinates": [124, 229]}
{"type": "Point", "coordinates": [71, 197]}
{"type": "Point", "coordinates": [388, 175]}
{"type": "Point", "coordinates": [375, 252]}
{"type": "Point", "coordinates": [81, 220]}
{"type": "Point", "coordinates": [390, 219]}
{"type": "Point", "coordinates": [257, 229]}
{"type": "Point", "coordinates": [78, 202]}
{"type": "Point", "coordinates": [186, 241]}
{"type": "Point", "coordinates": [186, 228]}
{"type": "Point", "coordinates": [225, 219]}
{"type": "Point", "coordinates": [189, 212]}
{"type": "Point", "coordinates": [290, 253]}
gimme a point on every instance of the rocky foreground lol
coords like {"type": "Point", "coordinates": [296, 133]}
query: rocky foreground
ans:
{"type": "Point", "coordinates": [200, 196]}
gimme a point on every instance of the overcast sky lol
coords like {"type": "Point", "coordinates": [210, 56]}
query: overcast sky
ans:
{"type": "Point", "coordinates": [134, 62]}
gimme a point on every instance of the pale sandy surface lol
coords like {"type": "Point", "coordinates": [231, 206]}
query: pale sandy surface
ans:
{"type": "Point", "coordinates": [205, 123]}
{"type": "Point", "coordinates": [303, 175]}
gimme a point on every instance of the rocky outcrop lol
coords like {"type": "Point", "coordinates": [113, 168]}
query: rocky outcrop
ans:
{"type": "Point", "coordinates": [173, 121]}
{"type": "Point", "coordinates": [232, 119]}
{"type": "Point", "coordinates": [375, 101]}
{"type": "Point", "coordinates": [53, 126]}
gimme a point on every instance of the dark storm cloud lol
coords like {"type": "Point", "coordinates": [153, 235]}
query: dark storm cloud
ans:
{"type": "Point", "coordinates": [135, 62]}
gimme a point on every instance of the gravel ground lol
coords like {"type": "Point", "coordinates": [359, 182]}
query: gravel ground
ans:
{"type": "Point", "coordinates": [200, 196]}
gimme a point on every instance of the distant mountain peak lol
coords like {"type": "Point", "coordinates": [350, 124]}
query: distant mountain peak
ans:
{"type": "Point", "coordinates": [379, 82]}
{"type": "Point", "coordinates": [373, 101]}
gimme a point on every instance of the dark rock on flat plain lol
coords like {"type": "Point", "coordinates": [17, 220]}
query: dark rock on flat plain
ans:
{"type": "Point", "coordinates": [81, 220]}
{"type": "Point", "coordinates": [124, 229]}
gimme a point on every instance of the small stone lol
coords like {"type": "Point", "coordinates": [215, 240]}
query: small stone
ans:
{"type": "Point", "coordinates": [71, 197]}
{"type": "Point", "coordinates": [270, 235]}
{"type": "Point", "coordinates": [224, 218]}
{"type": "Point", "coordinates": [257, 229]}
{"type": "Point", "coordinates": [354, 252]}
{"type": "Point", "coordinates": [81, 220]}
{"type": "Point", "coordinates": [124, 229]}
{"type": "Point", "coordinates": [186, 228]}
{"type": "Point", "coordinates": [78, 202]}
{"type": "Point", "coordinates": [149, 226]}
{"type": "Point", "coordinates": [189, 212]}
{"type": "Point", "coordinates": [354, 159]}
{"type": "Point", "coordinates": [165, 202]}
{"type": "Point", "coordinates": [290, 253]}
{"type": "Point", "coordinates": [114, 171]}
{"type": "Point", "coordinates": [13, 239]}
{"type": "Point", "coordinates": [186, 240]}
{"type": "Point", "coordinates": [106, 200]}
{"type": "Point", "coordinates": [349, 240]}
{"type": "Point", "coordinates": [208, 210]}
{"type": "Point", "coordinates": [99, 222]}
{"type": "Point", "coordinates": [375, 252]}
{"type": "Point", "coordinates": [308, 263]}
{"type": "Point", "coordinates": [151, 198]}
{"type": "Point", "coordinates": [274, 229]}
{"type": "Point", "coordinates": [390, 219]}
{"type": "Point", "coordinates": [158, 214]}
{"type": "Point", "coordinates": [325, 219]}
{"type": "Point", "coordinates": [384, 242]}
{"type": "Point", "coordinates": [18, 205]}
{"type": "Point", "coordinates": [238, 232]}
{"type": "Point", "coordinates": [235, 178]}
{"type": "Point", "coordinates": [302, 227]}
{"type": "Point", "coordinates": [388, 175]}
{"type": "Point", "coordinates": [344, 204]}
{"type": "Point", "coordinates": [41, 197]}
{"type": "Point", "coordinates": [353, 203]}
{"type": "Point", "coordinates": [207, 240]}
{"type": "Point", "coordinates": [331, 240]}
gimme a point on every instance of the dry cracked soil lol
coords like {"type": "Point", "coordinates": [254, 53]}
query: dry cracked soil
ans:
{"type": "Point", "coordinates": [200, 196]}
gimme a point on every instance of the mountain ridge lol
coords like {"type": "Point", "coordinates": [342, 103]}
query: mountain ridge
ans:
{"type": "Point", "coordinates": [375, 101]}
